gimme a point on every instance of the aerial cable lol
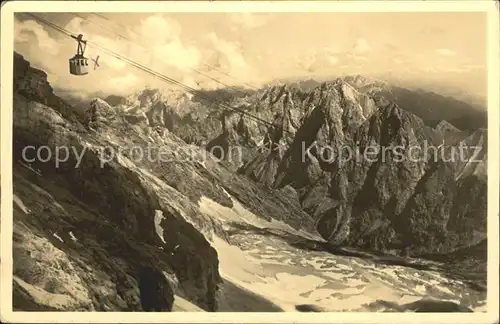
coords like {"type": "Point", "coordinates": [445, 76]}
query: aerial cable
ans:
{"type": "Point", "coordinates": [102, 26]}
{"type": "Point", "coordinates": [143, 47]}
{"type": "Point", "coordinates": [159, 75]}
{"type": "Point", "coordinates": [205, 64]}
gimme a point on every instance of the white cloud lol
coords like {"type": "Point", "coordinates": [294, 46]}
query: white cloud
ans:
{"type": "Point", "coordinates": [306, 62]}
{"type": "Point", "coordinates": [317, 60]}
{"type": "Point", "coordinates": [466, 68]}
{"type": "Point", "coordinates": [174, 53]}
{"type": "Point", "coordinates": [22, 32]}
{"type": "Point", "coordinates": [333, 60]}
{"type": "Point", "coordinates": [158, 29]}
{"type": "Point", "coordinates": [229, 58]}
{"type": "Point", "coordinates": [124, 84]}
{"type": "Point", "coordinates": [471, 67]}
{"type": "Point", "coordinates": [359, 58]}
{"type": "Point", "coordinates": [361, 46]}
{"type": "Point", "coordinates": [312, 63]}
{"type": "Point", "coordinates": [446, 52]}
{"type": "Point", "coordinates": [155, 43]}
{"type": "Point", "coordinates": [397, 61]}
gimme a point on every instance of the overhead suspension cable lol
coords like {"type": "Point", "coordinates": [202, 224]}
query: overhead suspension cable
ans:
{"type": "Point", "coordinates": [205, 64]}
{"type": "Point", "coordinates": [143, 47]}
{"type": "Point", "coordinates": [167, 79]}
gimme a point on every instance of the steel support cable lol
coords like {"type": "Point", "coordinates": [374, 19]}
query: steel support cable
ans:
{"type": "Point", "coordinates": [159, 75]}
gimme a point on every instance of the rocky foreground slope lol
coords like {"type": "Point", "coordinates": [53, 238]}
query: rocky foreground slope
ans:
{"type": "Point", "coordinates": [113, 221]}
{"type": "Point", "coordinates": [106, 229]}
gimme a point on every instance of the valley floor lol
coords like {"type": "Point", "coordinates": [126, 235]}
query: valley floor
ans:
{"type": "Point", "coordinates": [271, 262]}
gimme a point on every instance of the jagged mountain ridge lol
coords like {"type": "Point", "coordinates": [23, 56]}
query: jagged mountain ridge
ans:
{"type": "Point", "coordinates": [199, 116]}
{"type": "Point", "coordinates": [346, 104]}
{"type": "Point", "coordinates": [432, 107]}
{"type": "Point", "coordinates": [385, 204]}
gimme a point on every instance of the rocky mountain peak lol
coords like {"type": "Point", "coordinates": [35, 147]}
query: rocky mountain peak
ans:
{"type": "Point", "coordinates": [32, 84]}
{"type": "Point", "coordinates": [115, 100]}
{"type": "Point", "coordinates": [275, 93]}
{"type": "Point", "coordinates": [99, 114]}
{"type": "Point", "coordinates": [30, 81]}
{"type": "Point", "coordinates": [337, 108]}
{"type": "Point", "coordinates": [148, 97]}
{"type": "Point", "coordinates": [445, 127]}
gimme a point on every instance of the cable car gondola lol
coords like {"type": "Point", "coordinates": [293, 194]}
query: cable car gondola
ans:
{"type": "Point", "coordinates": [78, 64]}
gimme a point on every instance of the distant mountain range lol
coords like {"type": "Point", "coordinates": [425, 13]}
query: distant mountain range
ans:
{"type": "Point", "coordinates": [430, 106]}
{"type": "Point", "coordinates": [350, 111]}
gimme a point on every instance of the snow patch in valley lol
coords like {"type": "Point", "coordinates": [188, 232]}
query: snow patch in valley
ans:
{"type": "Point", "coordinates": [57, 237]}
{"type": "Point", "coordinates": [21, 205]}
{"type": "Point", "coordinates": [283, 289]}
{"type": "Point", "coordinates": [225, 191]}
{"type": "Point", "coordinates": [159, 230]}
{"type": "Point", "coordinates": [73, 237]}
{"type": "Point", "coordinates": [287, 290]}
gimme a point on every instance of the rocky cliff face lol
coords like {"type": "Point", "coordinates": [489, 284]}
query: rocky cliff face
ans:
{"type": "Point", "coordinates": [32, 84]}
{"type": "Point", "coordinates": [385, 200]}
{"type": "Point", "coordinates": [111, 211]}
{"type": "Point", "coordinates": [177, 112]}
{"type": "Point", "coordinates": [108, 225]}
{"type": "Point", "coordinates": [374, 175]}
{"type": "Point", "coordinates": [98, 227]}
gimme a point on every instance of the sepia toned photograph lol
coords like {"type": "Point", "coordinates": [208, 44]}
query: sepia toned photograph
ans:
{"type": "Point", "coordinates": [265, 161]}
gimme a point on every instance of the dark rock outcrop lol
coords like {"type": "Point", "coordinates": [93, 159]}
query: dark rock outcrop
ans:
{"type": "Point", "coordinates": [114, 100]}
{"type": "Point", "coordinates": [156, 294]}
{"type": "Point", "coordinates": [309, 308]}
{"type": "Point", "coordinates": [32, 84]}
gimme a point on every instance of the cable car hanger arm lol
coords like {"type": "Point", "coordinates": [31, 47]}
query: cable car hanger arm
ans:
{"type": "Point", "coordinates": [165, 78]}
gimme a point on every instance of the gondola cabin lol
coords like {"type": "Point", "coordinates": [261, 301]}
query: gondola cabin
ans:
{"type": "Point", "coordinates": [78, 64]}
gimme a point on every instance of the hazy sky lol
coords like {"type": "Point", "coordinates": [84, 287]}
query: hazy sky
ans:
{"type": "Point", "coordinates": [448, 49]}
